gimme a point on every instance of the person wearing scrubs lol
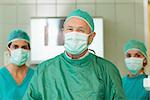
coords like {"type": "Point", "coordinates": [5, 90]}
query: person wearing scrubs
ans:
{"type": "Point", "coordinates": [135, 60]}
{"type": "Point", "coordinates": [15, 77]}
{"type": "Point", "coordinates": [76, 74]}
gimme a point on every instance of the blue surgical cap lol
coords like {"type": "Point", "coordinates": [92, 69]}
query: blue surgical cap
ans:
{"type": "Point", "coordinates": [17, 35]}
{"type": "Point", "coordinates": [135, 45]}
{"type": "Point", "coordinates": [82, 15]}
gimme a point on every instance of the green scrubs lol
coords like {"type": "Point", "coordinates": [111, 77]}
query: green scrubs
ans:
{"type": "Point", "coordinates": [134, 89]}
{"type": "Point", "coordinates": [90, 78]}
{"type": "Point", "coordinates": [9, 89]}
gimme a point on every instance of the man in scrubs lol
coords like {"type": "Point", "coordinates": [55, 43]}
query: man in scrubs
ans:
{"type": "Point", "coordinates": [136, 61]}
{"type": "Point", "coordinates": [15, 77]}
{"type": "Point", "coordinates": [76, 74]}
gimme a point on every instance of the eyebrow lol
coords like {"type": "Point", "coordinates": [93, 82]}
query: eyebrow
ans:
{"type": "Point", "coordinates": [75, 27]}
{"type": "Point", "coordinates": [18, 45]}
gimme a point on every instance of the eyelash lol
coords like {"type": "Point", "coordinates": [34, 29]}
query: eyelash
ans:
{"type": "Point", "coordinates": [137, 55]}
{"type": "Point", "coordinates": [16, 47]}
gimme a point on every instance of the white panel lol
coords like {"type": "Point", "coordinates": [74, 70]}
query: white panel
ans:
{"type": "Point", "coordinates": [64, 10]}
{"type": "Point", "coordinates": [8, 14]}
{"type": "Point", "coordinates": [27, 1]}
{"type": "Point", "coordinates": [86, 1]}
{"type": "Point", "coordinates": [125, 13]}
{"type": "Point", "coordinates": [90, 8]}
{"type": "Point", "coordinates": [25, 12]}
{"type": "Point", "coordinates": [46, 10]}
{"type": "Point", "coordinates": [66, 1]}
{"type": "Point", "coordinates": [49, 45]}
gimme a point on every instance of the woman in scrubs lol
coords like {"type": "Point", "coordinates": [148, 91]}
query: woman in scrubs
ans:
{"type": "Point", "coordinates": [135, 60]}
{"type": "Point", "coordinates": [15, 77]}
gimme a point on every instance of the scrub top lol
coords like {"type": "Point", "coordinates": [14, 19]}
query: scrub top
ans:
{"type": "Point", "coordinates": [133, 87]}
{"type": "Point", "coordinates": [9, 89]}
{"type": "Point", "coordinates": [90, 78]}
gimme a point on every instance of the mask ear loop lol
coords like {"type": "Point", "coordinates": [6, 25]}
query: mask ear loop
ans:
{"type": "Point", "coordinates": [92, 51]}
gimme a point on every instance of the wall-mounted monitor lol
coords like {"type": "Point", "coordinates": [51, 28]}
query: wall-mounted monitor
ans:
{"type": "Point", "coordinates": [47, 39]}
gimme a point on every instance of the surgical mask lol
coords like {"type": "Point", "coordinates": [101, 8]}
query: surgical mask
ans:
{"type": "Point", "coordinates": [134, 64]}
{"type": "Point", "coordinates": [19, 56]}
{"type": "Point", "coordinates": [76, 42]}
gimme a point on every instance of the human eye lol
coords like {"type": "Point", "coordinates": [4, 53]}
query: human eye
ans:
{"type": "Point", "coordinates": [15, 46]}
{"type": "Point", "coordinates": [24, 47]}
{"type": "Point", "coordinates": [128, 55]}
{"type": "Point", "coordinates": [138, 55]}
{"type": "Point", "coordinates": [81, 30]}
{"type": "Point", "coordinates": [68, 29]}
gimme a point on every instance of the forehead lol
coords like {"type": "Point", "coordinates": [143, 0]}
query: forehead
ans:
{"type": "Point", "coordinates": [76, 22]}
{"type": "Point", "coordinates": [19, 42]}
{"type": "Point", "coordinates": [134, 52]}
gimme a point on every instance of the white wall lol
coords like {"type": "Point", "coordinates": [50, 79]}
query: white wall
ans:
{"type": "Point", "coordinates": [123, 20]}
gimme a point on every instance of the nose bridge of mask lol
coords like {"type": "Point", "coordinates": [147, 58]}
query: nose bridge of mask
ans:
{"type": "Point", "coordinates": [133, 61]}
{"type": "Point", "coordinates": [19, 50]}
{"type": "Point", "coordinates": [19, 53]}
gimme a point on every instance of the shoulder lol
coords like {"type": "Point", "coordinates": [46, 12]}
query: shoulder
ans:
{"type": "Point", "coordinates": [31, 71]}
{"type": "Point", "coordinates": [106, 64]}
{"type": "Point", "coordinates": [48, 63]}
{"type": "Point", "coordinates": [2, 68]}
{"type": "Point", "coordinates": [106, 67]}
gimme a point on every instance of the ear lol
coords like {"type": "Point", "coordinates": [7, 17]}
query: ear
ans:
{"type": "Point", "coordinates": [9, 52]}
{"type": "Point", "coordinates": [90, 39]}
{"type": "Point", "coordinates": [144, 62]}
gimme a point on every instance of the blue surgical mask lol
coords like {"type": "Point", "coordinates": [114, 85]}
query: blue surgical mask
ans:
{"type": "Point", "coordinates": [76, 42]}
{"type": "Point", "coordinates": [19, 56]}
{"type": "Point", "coordinates": [134, 64]}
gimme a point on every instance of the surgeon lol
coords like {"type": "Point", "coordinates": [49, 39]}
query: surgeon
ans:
{"type": "Point", "coordinates": [15, 77]}
{"type": "Point", "coordinates": [136, 61]}
{"type": "Point", "coordinates": [76, 74]}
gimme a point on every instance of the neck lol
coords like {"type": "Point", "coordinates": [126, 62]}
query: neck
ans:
{"type": "Point", "coordinates": [77, 56]}
{"type": "Point", "coordinates": [18, 73]}
{"type": "Point", "coordinates": [132, 75]}
{"type": "Point", "coordinates": [14, 69]}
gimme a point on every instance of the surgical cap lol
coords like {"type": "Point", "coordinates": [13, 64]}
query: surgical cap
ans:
{"type": "Point", "coordinates": [83, 15]}
{"type": "Point", "coordinates": [17, 35]}
{"type": "Point", "coordinates": [135, 45]}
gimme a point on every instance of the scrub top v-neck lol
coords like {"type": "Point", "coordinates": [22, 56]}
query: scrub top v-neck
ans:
{"type": "Point", "coordinates": [9, 89]}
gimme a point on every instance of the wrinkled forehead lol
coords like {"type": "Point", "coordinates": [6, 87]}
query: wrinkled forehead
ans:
{"type": "Point", "coordinates": [76, 22]}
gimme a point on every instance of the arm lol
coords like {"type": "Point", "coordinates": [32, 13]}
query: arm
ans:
{"type": "Point", "coordinates": [32, 92]}
{"type": "Point", "coordinates": [114, 84]}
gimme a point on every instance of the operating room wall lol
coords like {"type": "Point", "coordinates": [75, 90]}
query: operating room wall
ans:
{"type": "Point", "coordinates": [123, 20]}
